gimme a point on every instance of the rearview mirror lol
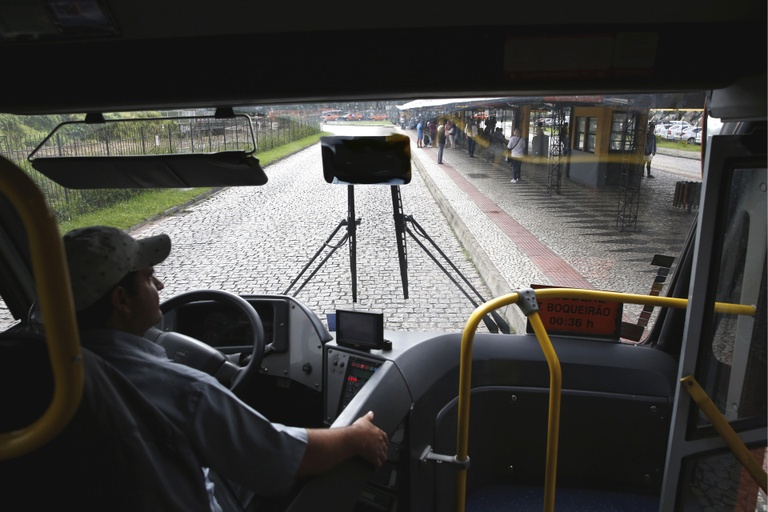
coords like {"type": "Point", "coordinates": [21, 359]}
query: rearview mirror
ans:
{"type": "Point", "coordinates": [376, 160]}
{"type": "Point", "coordinates": [151, 152]}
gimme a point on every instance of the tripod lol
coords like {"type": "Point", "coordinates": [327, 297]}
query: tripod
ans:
{"type": "Point", "coordinates": [403, 225]}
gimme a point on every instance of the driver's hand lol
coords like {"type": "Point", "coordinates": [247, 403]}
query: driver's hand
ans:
{"type": "Point", "coordinates": [372, 441]}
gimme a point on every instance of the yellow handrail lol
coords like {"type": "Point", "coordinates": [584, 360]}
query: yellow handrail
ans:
{"type": "Point", "coordinates": [553, 422]}
{"type": "Point", "coordinates": [531, 309]}
{"type": "Point", "coordinates": [57, 308]}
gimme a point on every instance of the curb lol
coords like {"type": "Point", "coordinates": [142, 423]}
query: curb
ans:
{"type": "Point", "coordinates": [692, 155]}
{"type": "Point", "coordinates": [488, 271]}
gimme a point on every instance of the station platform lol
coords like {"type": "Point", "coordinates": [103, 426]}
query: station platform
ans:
{"type": "Point", "coordinates": [571, 237]}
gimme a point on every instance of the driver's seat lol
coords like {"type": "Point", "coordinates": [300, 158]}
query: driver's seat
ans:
{"type": "Point", "coordinates": [118, 453]}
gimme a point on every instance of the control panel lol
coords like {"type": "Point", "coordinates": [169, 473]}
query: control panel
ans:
{"type": "Point", "coordinates": [346, 373]}
{"type": "Point", "coordinates": [347, 370]}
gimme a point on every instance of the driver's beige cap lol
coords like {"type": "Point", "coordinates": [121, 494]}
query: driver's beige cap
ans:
{"type": "Point", "coordinates": [100, 256]}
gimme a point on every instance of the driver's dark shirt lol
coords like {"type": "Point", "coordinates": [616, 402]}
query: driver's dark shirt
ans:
{"type": "Point", "coordinates": [228, 436]}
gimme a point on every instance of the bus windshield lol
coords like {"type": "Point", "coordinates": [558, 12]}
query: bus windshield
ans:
{"type": "Point", "coordinates": [418, 260]}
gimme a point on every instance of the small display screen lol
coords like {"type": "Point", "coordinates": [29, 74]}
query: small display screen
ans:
{"type": "Point", "coordinates": [360, 329]}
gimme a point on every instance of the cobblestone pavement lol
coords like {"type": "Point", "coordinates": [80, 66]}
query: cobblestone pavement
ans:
{"type": "Point", "coordinates": [258, 239]}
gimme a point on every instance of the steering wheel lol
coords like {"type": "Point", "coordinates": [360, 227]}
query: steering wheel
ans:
{"type": "Point", "coordinates": [196, 354]}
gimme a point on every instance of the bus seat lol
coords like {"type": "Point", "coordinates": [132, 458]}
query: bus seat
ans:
{"type": "Point", "coordinates": [118, 453]}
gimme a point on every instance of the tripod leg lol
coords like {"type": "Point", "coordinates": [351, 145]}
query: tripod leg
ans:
{"type": "Point", "coordinates": [352, 235]}
{"type": "Point", "coordinates": [500, 323]}
{"type": "Point", "coordinates": [402, 255]}
{"type": "Point", "coordinates": [317, 254]}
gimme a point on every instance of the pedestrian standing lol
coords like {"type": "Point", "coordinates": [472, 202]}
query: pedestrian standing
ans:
{"type": "Point", "coordinates": [432, 127]}
{"type": "Point", "coordinates": [440, 143]}
{"type": "Point", "coordinates": [516, 148]}
{"type": "Point", "coordinates": [471, 132]}
{"type": "Point", "coordinates": [450, 130]}
{"type": "Point", "coordinates": [539, 141]}
{"type": "Point", "coordinates": [565, 142]}
{"type": "Point", "coordinates": [650, 147]}
{"type": "Point", "coordinates": [420, 134]}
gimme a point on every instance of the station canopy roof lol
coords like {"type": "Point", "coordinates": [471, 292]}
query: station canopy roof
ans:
{"type": "Point", "coordinates": [669, 101]}
{"type": "Point", "coordinates": [456, 104]}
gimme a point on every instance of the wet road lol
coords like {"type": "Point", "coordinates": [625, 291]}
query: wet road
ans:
{"type": "Point", "coordinates": [686, 168]}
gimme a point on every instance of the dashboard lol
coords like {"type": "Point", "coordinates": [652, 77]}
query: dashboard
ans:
{"type": "Point", "coordinates": [300, 349]}
{"type": "Point", "coordinates": [220, 325]}
{"type": "Point", "coordinates": [294, 335]}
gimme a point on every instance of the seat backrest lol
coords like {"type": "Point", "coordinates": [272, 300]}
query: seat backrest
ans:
{"type": "Point", "coordinates": [118, 453]}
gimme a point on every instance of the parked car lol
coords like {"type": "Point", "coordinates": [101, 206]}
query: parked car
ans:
{"type": "Point", "coordinates": [331, 115]}
{"type": "Point", "coordinates": [675, 130]}
{"type": "Point", "coordinates": [661, 129]}
{"type": "Point", "coordinates": [697, 137]}
{"type": "Point", "coordinates": [374, 116]}
{"type": "Point", "coordinates": [689, 134]}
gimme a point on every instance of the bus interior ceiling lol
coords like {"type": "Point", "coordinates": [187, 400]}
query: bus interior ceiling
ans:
{"type": "Point", "coordinates": [564, 48]}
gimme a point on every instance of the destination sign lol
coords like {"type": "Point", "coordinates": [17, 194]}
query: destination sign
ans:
{"type": "Point", "coordinates": [579, 317]}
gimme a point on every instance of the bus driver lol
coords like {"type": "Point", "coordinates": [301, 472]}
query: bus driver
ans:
{"type": "Point", "coordinates": [116, 298]}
